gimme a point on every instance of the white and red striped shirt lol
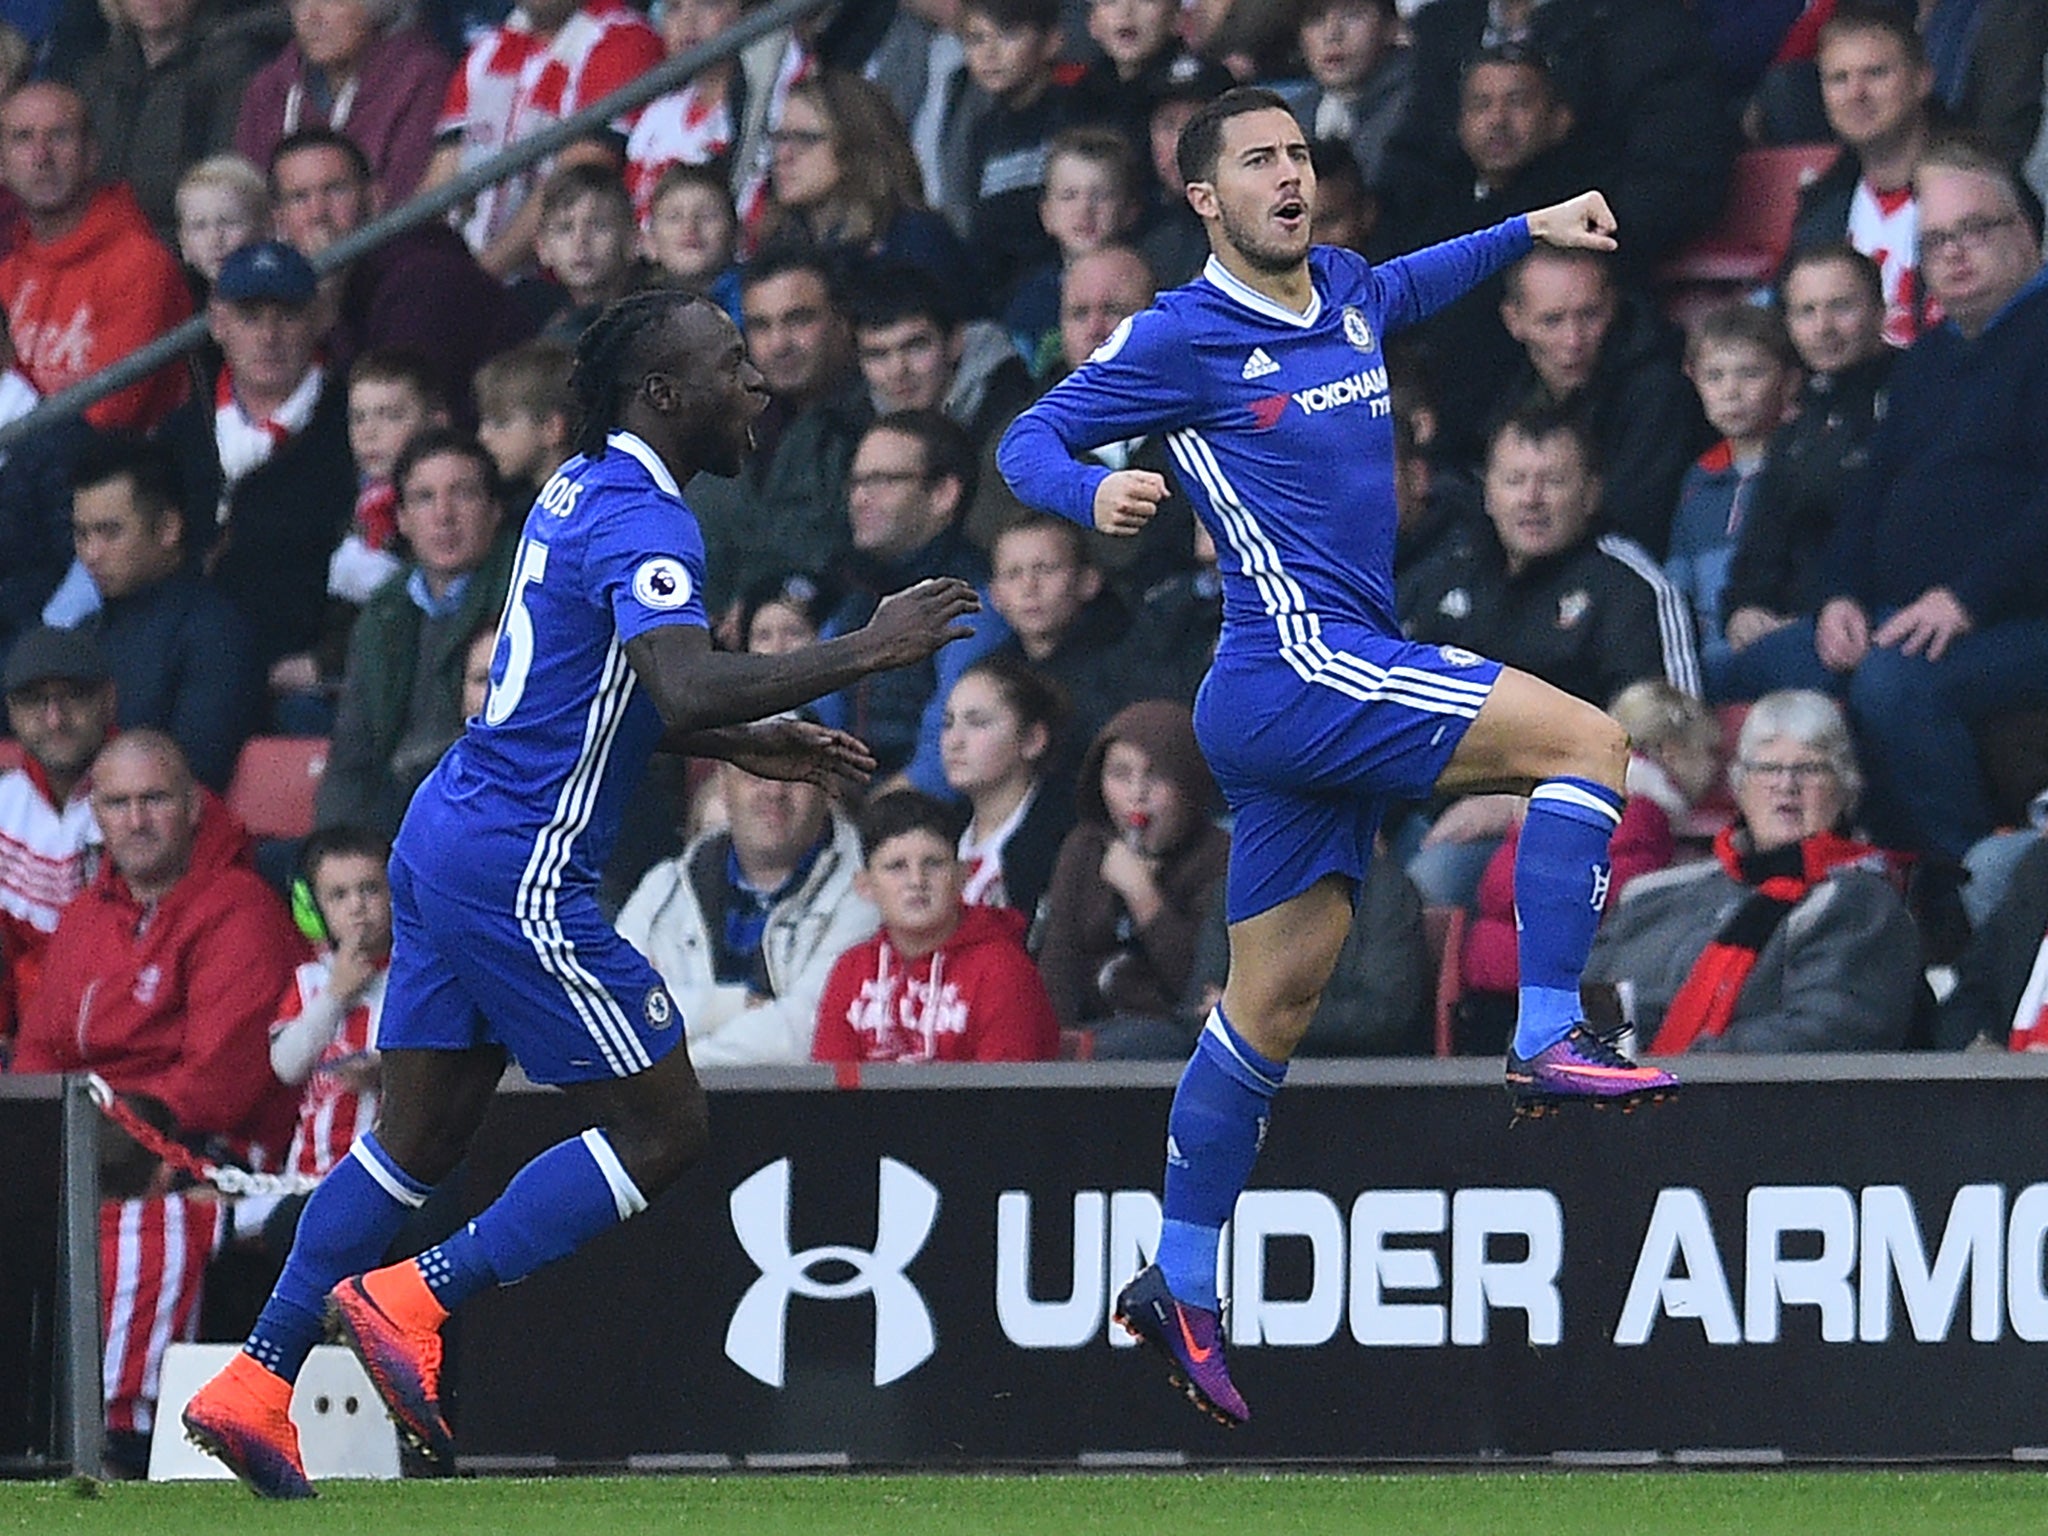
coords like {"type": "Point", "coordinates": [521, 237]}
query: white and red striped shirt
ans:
{"type": "Point", "coordinates": [515, 81]}
{"type": "Point", "coordinates": [1885, 226]}
{"type": "Point", "coordinates": [47, 856]}
{"type": "Point", "coordinates": [45, 850]}
{"type": "Point", "coordinates": [331, 1113]}
{"type": "Point", "coordinates": [686, 127]}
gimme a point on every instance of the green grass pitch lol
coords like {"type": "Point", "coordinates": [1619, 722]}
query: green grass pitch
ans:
{"type": "Point", "coordinates": [1171, 1504]}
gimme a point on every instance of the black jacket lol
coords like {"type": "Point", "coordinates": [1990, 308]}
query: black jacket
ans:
{"type": "Point", "coordinates": [269, 555]}
{"type": "Point", "coordinates": [1590, 620]}
{"type": "Point", "coordinates": [184, 661]}
{"type": "Point", "coordinates": [1798, 494]}
{"type": "Point", "coordinates": [35, 522]}
{"type": "Point", "coordinates": [1640, 81]}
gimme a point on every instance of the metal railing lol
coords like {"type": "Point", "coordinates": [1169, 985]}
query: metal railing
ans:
{"type": "Point", "coordinates": [596, 118]}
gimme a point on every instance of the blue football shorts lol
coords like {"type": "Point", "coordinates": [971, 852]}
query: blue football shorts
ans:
{"type": "Point", "coordinates": [557, 987]}
{"type": "Point", "coordinates": [1308, 757]}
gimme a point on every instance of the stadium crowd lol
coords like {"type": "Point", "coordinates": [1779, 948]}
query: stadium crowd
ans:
{"type": "Point", "coordinates": [1791, 525]}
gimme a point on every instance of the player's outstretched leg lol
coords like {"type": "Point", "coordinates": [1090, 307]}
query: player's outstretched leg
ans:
{"type": "Point", "coordinates": [243, 1415]}
{"type": "Point", "coordinates": [1279, 961]}
{"type": "Point", "coordinates": [1561, 875]}
{"type": "Point", "coordinates": [653, 1127]}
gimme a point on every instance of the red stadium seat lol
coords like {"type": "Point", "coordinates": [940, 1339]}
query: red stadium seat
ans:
{"type": "Point", "coordinates": [1748, 241]}
{"type": "Point", "coordinates": [275, 780]}
{"type": "Point", "coordinates": [1444, 930]}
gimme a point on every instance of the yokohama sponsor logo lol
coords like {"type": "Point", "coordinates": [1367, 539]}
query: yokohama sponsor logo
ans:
{"type": "Point", "coordinates": [1367, 384]}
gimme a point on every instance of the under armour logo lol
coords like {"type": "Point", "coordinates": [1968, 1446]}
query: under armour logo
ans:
{"type": "Point", "coordinates": [906, 1206]}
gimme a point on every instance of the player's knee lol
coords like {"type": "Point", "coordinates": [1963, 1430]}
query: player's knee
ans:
{"type": "Point", "coordinates": [1598, 749]}
{"type": "Point", "coordinates": [657, 1149]}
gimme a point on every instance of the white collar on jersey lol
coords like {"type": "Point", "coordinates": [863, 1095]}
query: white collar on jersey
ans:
{"type": "Point", "coordinates": [649, 460]}
{"type": "Point", "coordinates": [1251, 298]}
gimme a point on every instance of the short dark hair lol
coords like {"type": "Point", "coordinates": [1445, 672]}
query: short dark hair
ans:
{"type": "Point", "coordinates": [781, 260]}
{"type": "Point", "coordinates": [401, 365]}
{"type": "Point", "coordinates": [947, 449]}
{"type": "Point", "coordinates": [1739, 322]}
{"type": "Point", "coordinates": [711, 177]}
{"type": "Point", "coordinates": [341, 841]}
{"type": "Point", "coordinates": [431, 442]}
{"type": "Point", "coordinates": [1202, 139]}
{"type": "Point", "coordinates": [320, 137]}
{"type": "Point", "coordinates": [1539, 422]}
{"type": "Point", "coordinates": [902, 811]}
{"type": "Point", "coordinates": [891, 293]}
{"type": "Point", "coordinates": [150, 468]}
{"type": "Point", "coordinates": [570, 184]}
{"type": "Point", "coordinates": [1874, 16]}
{"type": "Point", "coordinates": [1035, 698]}
{"type": "Point", "coordinates": [1869, 275]}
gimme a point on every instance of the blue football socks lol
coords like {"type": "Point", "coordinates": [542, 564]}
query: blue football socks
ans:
{"type": "Point", "coordinates": [1213, 1136]}
{"type": "Point", "coordinates": [345, 1228]}
{"type": "Point", "coordinates": [553, 1206]}
{"type": "Point", "coordinates": [1561, 875]}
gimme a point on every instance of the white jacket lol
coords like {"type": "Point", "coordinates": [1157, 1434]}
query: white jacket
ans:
{"type": "Point", "coordinates": [807, 931]}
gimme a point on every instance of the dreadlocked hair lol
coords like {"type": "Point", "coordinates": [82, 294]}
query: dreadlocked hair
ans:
{"type": "Point", "coordinates": [611, 357]}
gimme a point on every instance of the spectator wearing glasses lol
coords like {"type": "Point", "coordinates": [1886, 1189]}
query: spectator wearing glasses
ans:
{"type": "Point", "coordinates": [844, 184]}
{"type": "Point", "coordinates": [1792, 937]}
{"type": "Point", "coordinates": [1930, 617]}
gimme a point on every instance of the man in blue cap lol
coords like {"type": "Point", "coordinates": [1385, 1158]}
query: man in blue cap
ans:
{"type": "Point", "coordinates": [269, 486]}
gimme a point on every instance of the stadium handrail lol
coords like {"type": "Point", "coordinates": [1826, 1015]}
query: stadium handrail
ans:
{"type": "Point", "coordinates": [658, 81]}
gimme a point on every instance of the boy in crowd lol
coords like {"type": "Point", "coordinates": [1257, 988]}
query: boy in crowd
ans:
{"type": "Point", "coordinates": [524, 410]}
{"type": "Point", "coordinates": [1091, 199]}
{"type": "Point", "coordinates": [1140, 46]}
{"type": "Point", "coordinates": [586, 240]}
{"type": "Point", "coordinates": [392, 397]}
{"type": "Point", "coordinates": [1741, 361]}
{"type": "Point", "coordinates": [1359, 78]}
{"type": "Point", "coordinates": [325, 1037]}
{"type": "Point", "coordinates": [942, 981]}
{"type": "Point", "coordinates": [1011, 48]}
{"type": "Point", "coordinates": [691, 232]}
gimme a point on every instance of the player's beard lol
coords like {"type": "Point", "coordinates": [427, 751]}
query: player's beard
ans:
{"type": "Point", "coordinates": [1261, 254]}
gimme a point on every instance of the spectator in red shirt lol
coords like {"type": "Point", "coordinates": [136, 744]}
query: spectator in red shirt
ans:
{"type": "Point", "coordinates": [942, 981]}
{"type": "Point", "coordinates": [91, 282]}
{"type": "Point", "coordinates": [163, 976]}
{"type": "Point", "coordinates": [60, 707]}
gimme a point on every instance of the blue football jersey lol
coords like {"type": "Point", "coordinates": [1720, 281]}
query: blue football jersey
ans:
{"type": "Point", "coordinates": [1280, 427]}
{"type": "Point", "coordinates": [533, 791]}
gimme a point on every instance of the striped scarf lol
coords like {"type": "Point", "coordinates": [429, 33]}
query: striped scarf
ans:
{"type": "Point", "coordinates": [1778, 881]}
